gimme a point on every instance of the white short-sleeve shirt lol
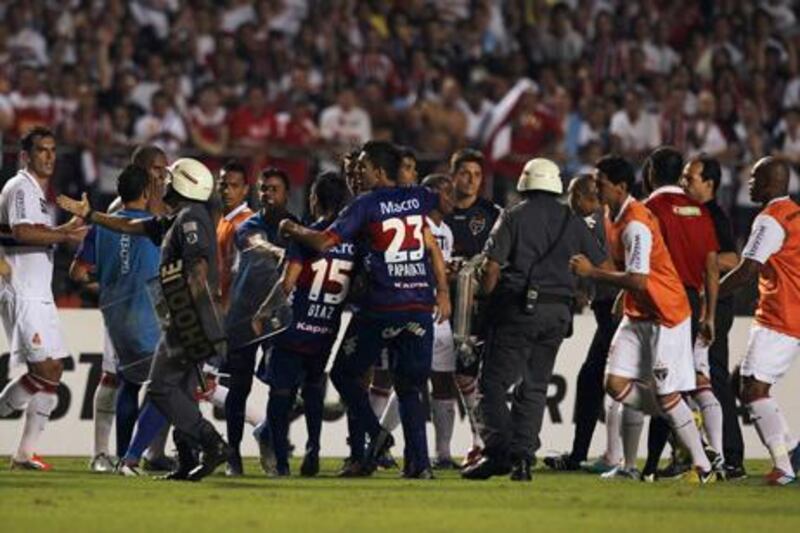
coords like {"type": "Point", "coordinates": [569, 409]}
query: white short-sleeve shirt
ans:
{"type": "Point", "coordinates": [766, 238]}
{"type": "Point", "coordinates": [22, 201]}
{"type": "Point", "coordinates": [638, 241]}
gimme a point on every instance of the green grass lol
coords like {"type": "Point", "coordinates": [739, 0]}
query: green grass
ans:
{"type": "Point", "coordinates": [72, 499]}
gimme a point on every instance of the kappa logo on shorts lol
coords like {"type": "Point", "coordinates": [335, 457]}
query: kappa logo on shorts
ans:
{"type": "Point", "coordinates": [36, 340]}
{"type": "Point", "coordinates": [660, 371]}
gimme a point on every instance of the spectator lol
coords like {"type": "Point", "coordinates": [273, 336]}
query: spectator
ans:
{"type": "Point", "coordinates": [162, 127]}
{"type": "Point", "coordinates": [634, 131]}
{"type": "Point", "coordinates": [208, 126]}
{"type": "Point", "coordinates": [345, 125]}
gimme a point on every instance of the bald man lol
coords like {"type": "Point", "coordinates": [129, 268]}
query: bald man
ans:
{"type": "Point", "coordinates": [773, 254]}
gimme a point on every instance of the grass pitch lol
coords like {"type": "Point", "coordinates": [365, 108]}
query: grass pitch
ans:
{"type": "Point", "coordinates": [72, 499]}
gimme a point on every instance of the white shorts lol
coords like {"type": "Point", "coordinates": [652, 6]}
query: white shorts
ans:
{"type": "Point", "coordinates": [701, 365]}
{"type": "Point", "coordinates": [444, 349]}
{"type": "Point", "coordinates": [648, 351]}
{"type": "Point", "coordinates": [769, 354]}
{"type": "Point", "coordinates": [33, 330]}
{"type": "Point", "coordinates": [109, 354]}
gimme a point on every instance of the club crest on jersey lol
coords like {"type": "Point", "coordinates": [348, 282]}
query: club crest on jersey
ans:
{"type": "Point", "coordinates": [477, 223]}
{"type": "Point", "coordinates": [660, 371]}
{"type": "Point", "coordinates": [36, 340]}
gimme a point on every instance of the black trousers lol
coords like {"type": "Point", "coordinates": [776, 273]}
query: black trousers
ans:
{"type": "Point", "coordinates": [589, 393]}
{"type": "Point", "coordinates": [240, 366]}
{"type": "Point", "coordinates": [718, 356]}
{"type": "Point", "coordinates": [521, 351]}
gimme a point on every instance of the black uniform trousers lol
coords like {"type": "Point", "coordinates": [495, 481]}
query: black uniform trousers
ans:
{"type": "Point", "coordinates": [718, 356]}
{"type": "Point", "coordinates": [590, 392]}
{"type": "Point", "coordinates": [520, 351]}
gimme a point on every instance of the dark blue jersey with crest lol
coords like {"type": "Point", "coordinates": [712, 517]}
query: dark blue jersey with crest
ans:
{"type": "Point", "coordinates": [389, 222]}
{"type": "Point", "coordinates": [319, 295]}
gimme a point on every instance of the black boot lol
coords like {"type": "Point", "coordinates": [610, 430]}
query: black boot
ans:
{"type": "Point", "coordinates": [187, 457]}
{"type": "Point", "coordinates": [521, 470]}
{"type": "Point", "coordinates": [215, 451]}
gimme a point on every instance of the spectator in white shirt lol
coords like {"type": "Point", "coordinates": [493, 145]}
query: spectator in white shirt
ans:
{"type": "Point", "coordinates": [634, 131]}
{"type": "Point", "coordinates": [344, 124]}
{"type": "Point", "coordinates": [162, 127]}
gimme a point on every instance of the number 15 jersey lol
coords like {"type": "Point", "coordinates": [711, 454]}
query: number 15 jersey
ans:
{"type": "Point", "coordinates": [319, 295]}
{"type": "Point", "coordinates": [389, 223]}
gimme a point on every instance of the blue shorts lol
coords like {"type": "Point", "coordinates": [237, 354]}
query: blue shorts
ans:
{"type": "Point", "coordinates": [406, 337]}
{"type": "Point", "coordinates": [287, 369]}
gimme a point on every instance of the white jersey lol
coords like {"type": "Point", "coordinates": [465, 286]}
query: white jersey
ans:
{"type": "Point", "coordinates": [444, 237]}
{"type": "Point", "coordinates": [22, 201]}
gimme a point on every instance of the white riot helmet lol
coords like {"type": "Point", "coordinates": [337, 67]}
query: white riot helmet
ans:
{"type": "Point", "coordinates": [540, 174]}
{"type": "Point", "coordinates": [191, 179]}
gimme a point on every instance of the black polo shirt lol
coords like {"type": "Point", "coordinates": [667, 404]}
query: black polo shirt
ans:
{"type": "Point", "coordinates": [472, 226]}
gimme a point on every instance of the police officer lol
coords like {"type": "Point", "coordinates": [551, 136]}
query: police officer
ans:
{"type": "Point", "coordinates": [530, 290]}
{"type": "Point", "coordinates": [187, 235]}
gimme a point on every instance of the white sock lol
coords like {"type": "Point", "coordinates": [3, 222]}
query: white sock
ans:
{"type": "Point", "coordinates": [15, 395]}
{"type": "Point", "coordinates": [712, 418]}
{"type": "Point", "coordinates": [470, 395]}
{"type": "Point", "coordinates": [36, 416]}
{"type": "Point", "coordinates": [791, 440]}
{"type": "Point", "coordinates": [682, 422]}
{"type": "Point", "coordinates": [391, 416]}
{"type": "Point", "coordinates": [632, 424]}
{"type": "Point", "coordinates": [767, 417]}
{"type": "Point", "coordinates": [444, 418]}
{"type": "Point", "coordinates": [639, 396]}
{"type": "Point", "coordinates": [105, 407]}
{"type": "Point", "coordinates": [613, 453]}
{"type": "Point", "coordinates": [252, 414]}
{"type": "Point", "coordinates": [218, 396]}
{"type": "Point", "coordinates": [378, 400]}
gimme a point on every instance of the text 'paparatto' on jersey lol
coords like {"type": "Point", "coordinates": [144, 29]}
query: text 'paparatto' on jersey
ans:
{"type": "Point", "coordinates": [319, 295]}
{"type": "Point", "coordinates": [391, 222]}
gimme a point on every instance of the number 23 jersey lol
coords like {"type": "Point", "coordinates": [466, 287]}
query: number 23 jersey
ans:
{"type": "Point", "coordinates": [390, 223]}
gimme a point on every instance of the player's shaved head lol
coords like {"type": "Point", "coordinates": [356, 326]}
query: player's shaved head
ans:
{"type": "Point", "coordinates": [769, 179]}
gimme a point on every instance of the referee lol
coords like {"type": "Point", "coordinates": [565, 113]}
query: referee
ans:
{"type": "Point", "coordinates": [187, 236]}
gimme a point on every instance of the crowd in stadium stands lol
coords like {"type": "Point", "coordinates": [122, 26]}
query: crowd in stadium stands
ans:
{"type": "Point", "coordinates": [295, 83]}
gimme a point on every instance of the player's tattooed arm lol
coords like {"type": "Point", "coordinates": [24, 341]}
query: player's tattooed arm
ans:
{"type": "Point", "coordinates": [316, 240]}
{"type": "Point", "coordinates": [83, 209]}
{"type": "Point", "coordinates": [440, 273]}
